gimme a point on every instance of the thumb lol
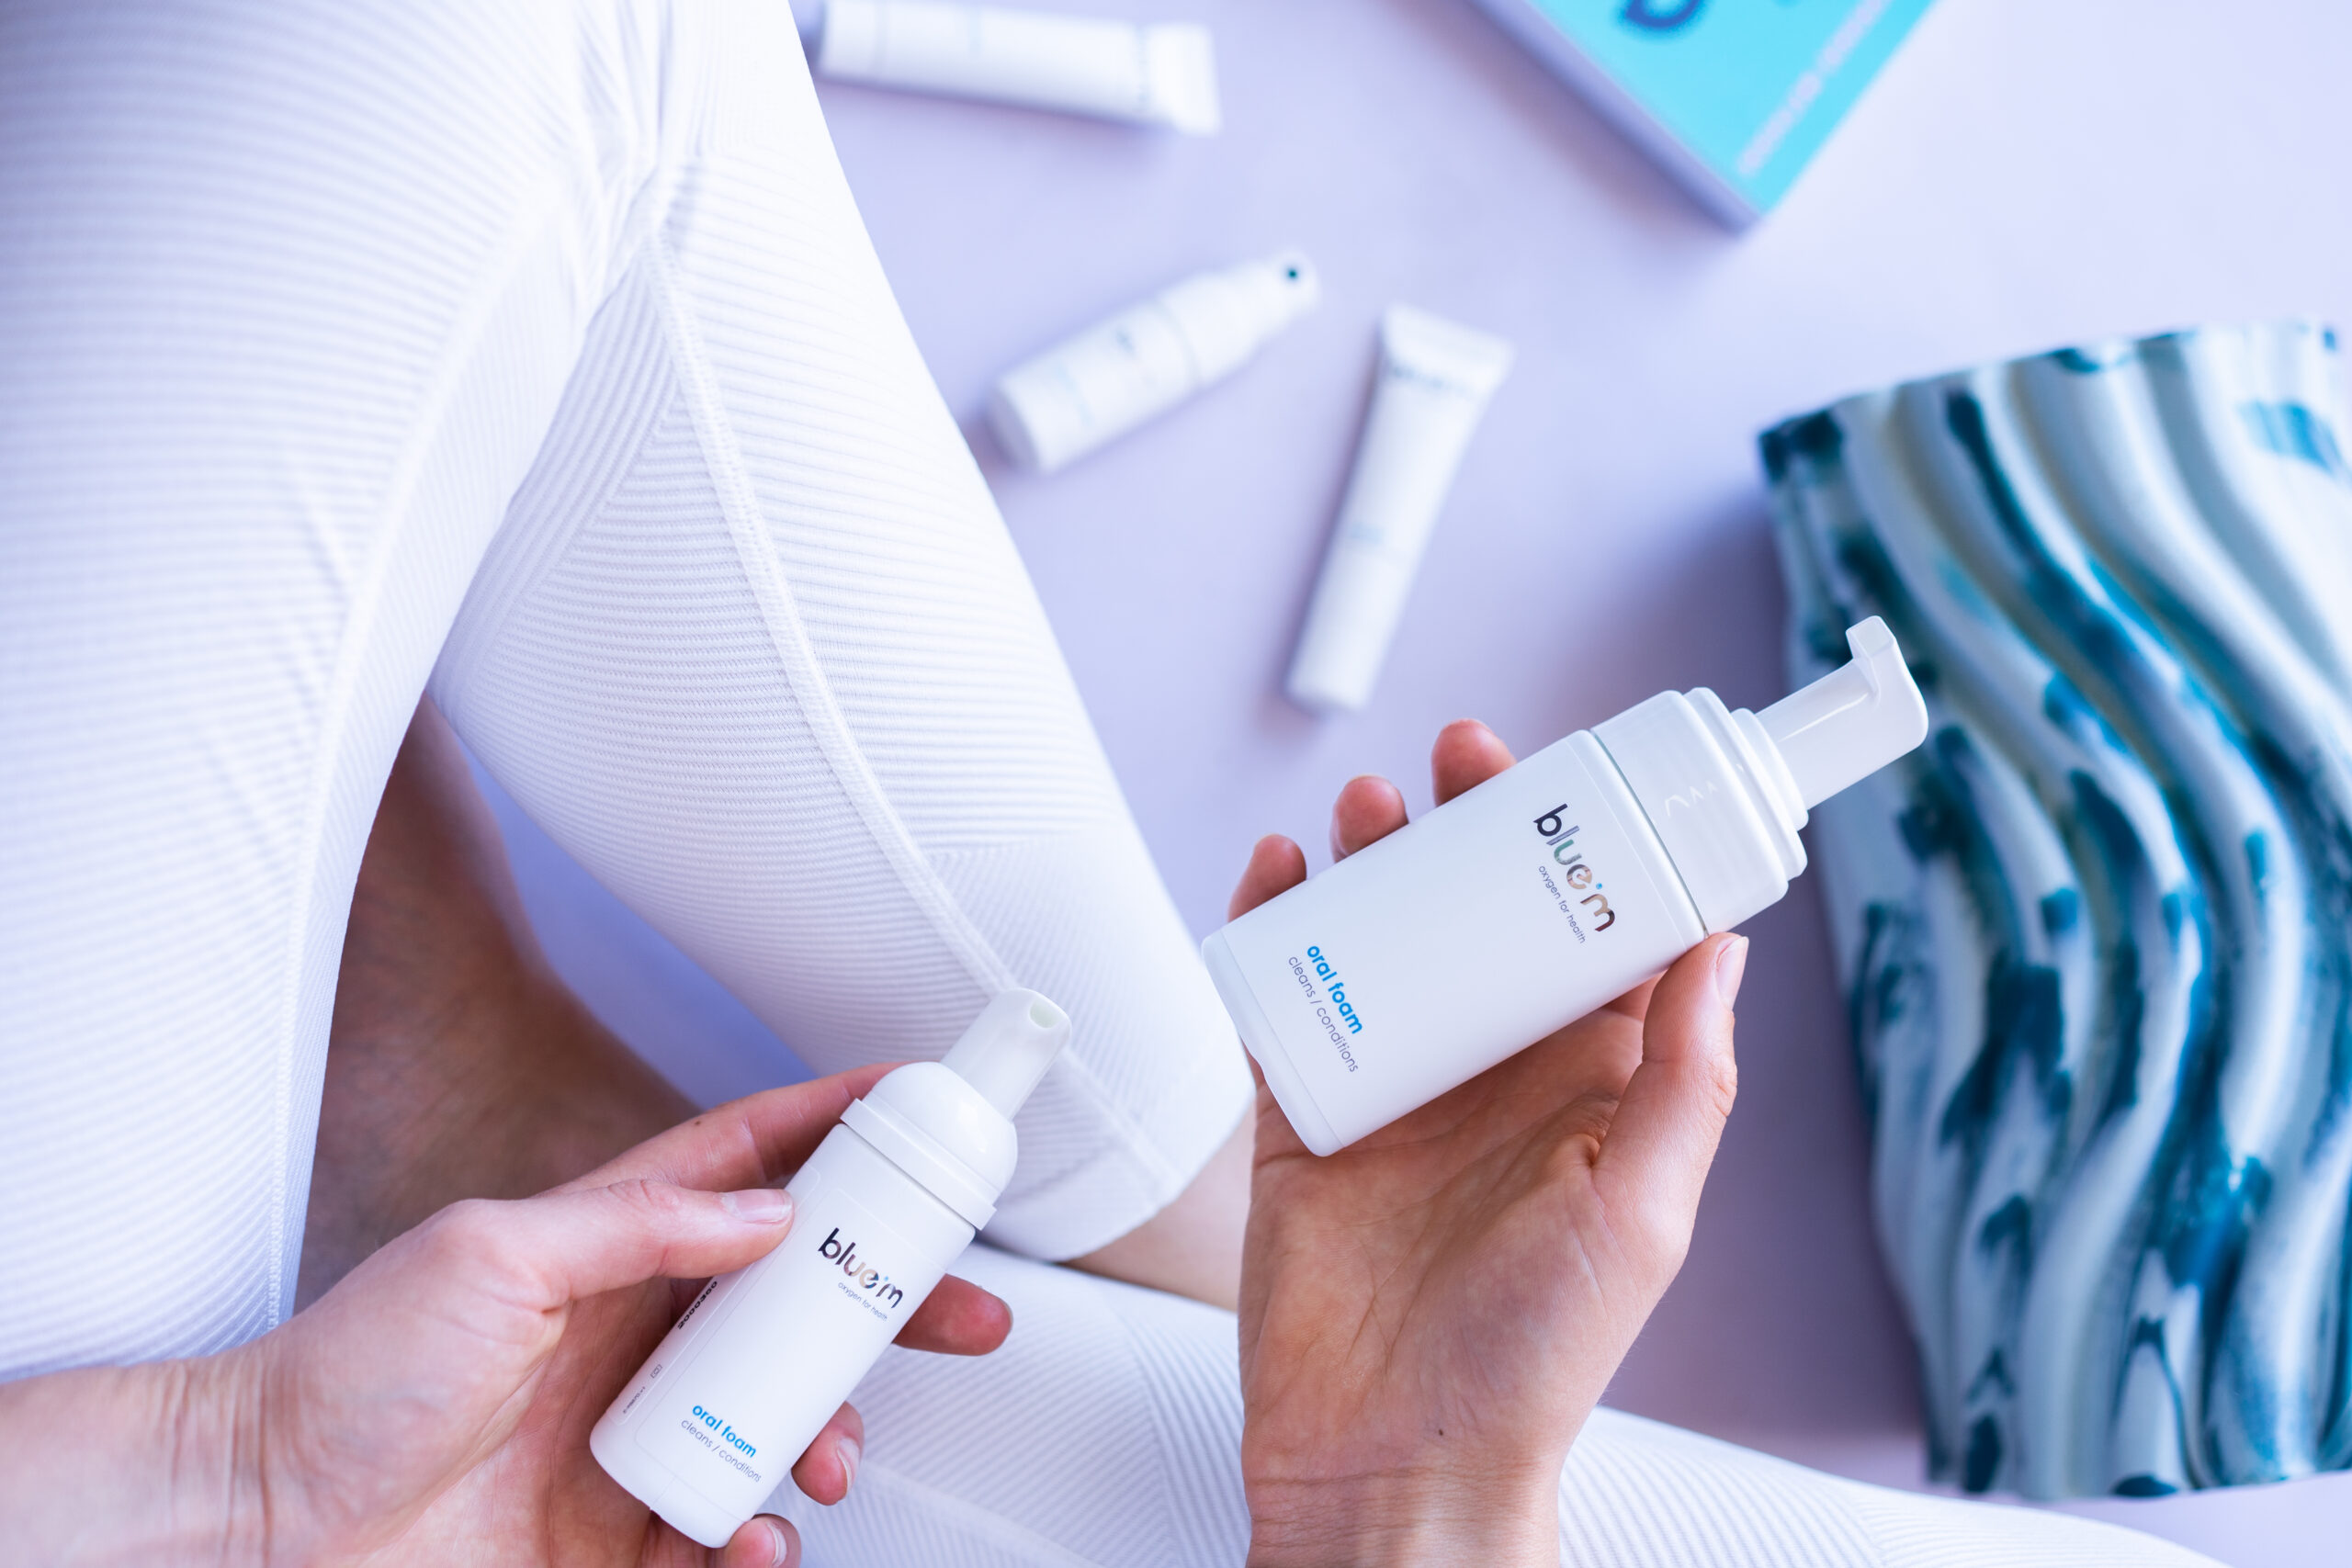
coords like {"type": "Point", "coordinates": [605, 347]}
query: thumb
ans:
{"type": "Point", "coordinates": [584, 1241]}
{"type": "Point", "coordinates": [764, 1542]}
{"type": "Point", "coordinates": [1662, 1139]}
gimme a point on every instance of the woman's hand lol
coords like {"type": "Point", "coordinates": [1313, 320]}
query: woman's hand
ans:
{"type": "Point", "coordinates": [434, 1408]}
{"type": "Point", "coordinates": [1429, 1314]}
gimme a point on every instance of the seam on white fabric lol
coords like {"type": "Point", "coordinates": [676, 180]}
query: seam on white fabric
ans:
{"type": "Point", "coordinates": [781, 617]}
{"type": "Point", "coordinates": [644, 209]}
{"type": "Point", "coordinates": [1141, 1144]}
{"type": "Point", "coordinates": [1006, 1534]}
{"type": "Point", "coordinates": [511, 572]}
{"type": "Point", "coordinates": [820, 709]}
{"type": "Point", "coordinates": [467, 332]}
{"type": "Point", "coordinates": [1167, 1418]}
{"type": "Point", "coordinates": [1167, 1178]}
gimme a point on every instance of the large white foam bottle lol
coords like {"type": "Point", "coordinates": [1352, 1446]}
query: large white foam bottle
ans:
{"type": "Point", "coordinates": [1419, 962]}
{"type": "Point", "coordinates": [713, 1421]}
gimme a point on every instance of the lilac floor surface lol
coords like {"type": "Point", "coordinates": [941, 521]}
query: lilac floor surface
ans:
{"type": "Point", "coordinates": [2022, 174]}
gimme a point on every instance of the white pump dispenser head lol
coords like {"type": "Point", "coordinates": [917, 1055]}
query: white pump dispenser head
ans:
{"type": "Point", "coordinates": [1009, 1047]}
{"type": "Point", "coordinates": [949, 1123]}
{"type": "Point", "coordinates": [1851, 722]}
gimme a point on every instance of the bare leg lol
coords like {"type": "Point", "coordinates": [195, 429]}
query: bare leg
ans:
{"type": "Point", "coordinates": [1193, 1247]}
{"type": "Point", "coordinates": [458, 1065]}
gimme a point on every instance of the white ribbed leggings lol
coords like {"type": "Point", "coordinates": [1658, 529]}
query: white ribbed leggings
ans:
{"type": "Point", "coordinates": [535, 351]}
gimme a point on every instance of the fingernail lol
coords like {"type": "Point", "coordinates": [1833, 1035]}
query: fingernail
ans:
{"type": "Point", "coordinates": [779, 1545]}
{"type": "Point", "coordinates": [849, 1453]}
{"type": "Point", "coordinates": [760, 1205]}
{"type": "Point", "coordinates": [1731, 965]}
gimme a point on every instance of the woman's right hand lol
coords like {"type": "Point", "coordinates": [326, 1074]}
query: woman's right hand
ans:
{"type": "Point", "coordinates": [433, 1407]}
{"type": "Point", "coordinates": [1429, 1314]}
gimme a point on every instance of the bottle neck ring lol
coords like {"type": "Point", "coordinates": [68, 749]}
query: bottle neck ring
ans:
{"type": "Point", "coordinates": [1726, 819]}
{"type": "Point", "coordinates": [934, 1170]}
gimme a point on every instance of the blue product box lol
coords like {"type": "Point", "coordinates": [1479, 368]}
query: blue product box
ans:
{"type": "Point", "coordinates": [1733, 96]}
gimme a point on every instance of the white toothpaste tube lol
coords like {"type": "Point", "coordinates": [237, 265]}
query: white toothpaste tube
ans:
{"type": "Point", "coordinates": [1435, 378]}
{"type": "Point", "coordinates": [1162, 74]}
{"type": "Point", "coordinates": [1053, 410]}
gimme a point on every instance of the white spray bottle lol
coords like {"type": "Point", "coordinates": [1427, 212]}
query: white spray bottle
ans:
{"type": "Point", "coordinates": [713, 1421]}
{"type": "Point", "coordinates": [1419, 962]}
{"type": "Point", "coordinates": [1053, 410]}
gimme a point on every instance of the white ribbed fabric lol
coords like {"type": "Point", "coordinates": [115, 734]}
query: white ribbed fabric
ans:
{"type": "Point", "coordinates": [542, 340]}
{"type": "Point", "coordinates": [305, 304]}
{"type": "Point", "coordinates": [1639, 1494]}
{"type": "Point", "coordinates": [755, 645]}
{"type": "Point", "coordinates": [288, 295]}
{"type": "Point", "coordinates": [1107, 1431]}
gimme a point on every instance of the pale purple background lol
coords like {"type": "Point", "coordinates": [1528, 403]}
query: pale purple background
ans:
{"type": "Point", "coordinates": [2023, 175]}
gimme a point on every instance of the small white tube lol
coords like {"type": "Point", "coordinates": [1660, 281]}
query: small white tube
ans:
{"type": "Point", "coordinates": [1051, 410]}
{"type": "Point", "coordinates": [1160, 74]}
{"type": "Point", "coordinates": [1435, 378]}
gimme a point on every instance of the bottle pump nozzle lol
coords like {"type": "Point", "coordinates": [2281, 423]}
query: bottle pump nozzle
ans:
{"type": "Point", "coordinates": [1009, 1047]}
{"type": "Point", "coordinates": [1851, 722]}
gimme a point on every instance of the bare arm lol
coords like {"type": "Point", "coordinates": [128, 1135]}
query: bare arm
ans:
{"type": "Point", "coordinates": [123, 1465]}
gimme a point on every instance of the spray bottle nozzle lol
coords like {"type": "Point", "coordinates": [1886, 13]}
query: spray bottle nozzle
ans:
{"type": "Point", "coordinates": [1851, 722]}
{"type": "Point", "coordinates": [1009, 1047]}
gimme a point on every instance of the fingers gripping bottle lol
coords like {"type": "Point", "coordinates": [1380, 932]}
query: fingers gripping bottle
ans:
{"type": "Point", "coordinates": [713, 1421]}
{"type": "Point", "coordinates": [1419, 962]}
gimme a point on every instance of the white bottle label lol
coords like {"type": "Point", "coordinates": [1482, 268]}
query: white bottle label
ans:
{"type": "Point", "coordinates": [793, 1334]}
{"type": "Point", "coordinates": [1421, 961]}
{"type": "Point", "coordinates": [1124, 371]}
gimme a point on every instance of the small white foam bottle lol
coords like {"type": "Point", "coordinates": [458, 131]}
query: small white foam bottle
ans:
{"type": "Point", "coordinates": [714, 1420]}
{"type": "Point", "coordinates": [1515, 909]}
{"type": "Point", "coordinates": [1053, 410]}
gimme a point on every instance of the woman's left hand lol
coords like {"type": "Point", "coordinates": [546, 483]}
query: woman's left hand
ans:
{"type": "Point", "coordinates": [1429, 1314]}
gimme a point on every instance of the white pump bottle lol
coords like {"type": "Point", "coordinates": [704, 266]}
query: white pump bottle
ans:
{"type": "Point", "coordinates": [1419, 962]}
{"type": "Point", "coordinates": [713, 1421]}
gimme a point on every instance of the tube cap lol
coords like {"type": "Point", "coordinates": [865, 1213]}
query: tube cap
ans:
{"type": "Point", "coordinates": [1181, 61]}
{"type": "Point", "coordinates": [851, 43]}
{"type": "Point", "coordinates": [1009, 1047]}
{"type": "Point", "coordinates": [1851, 722]}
